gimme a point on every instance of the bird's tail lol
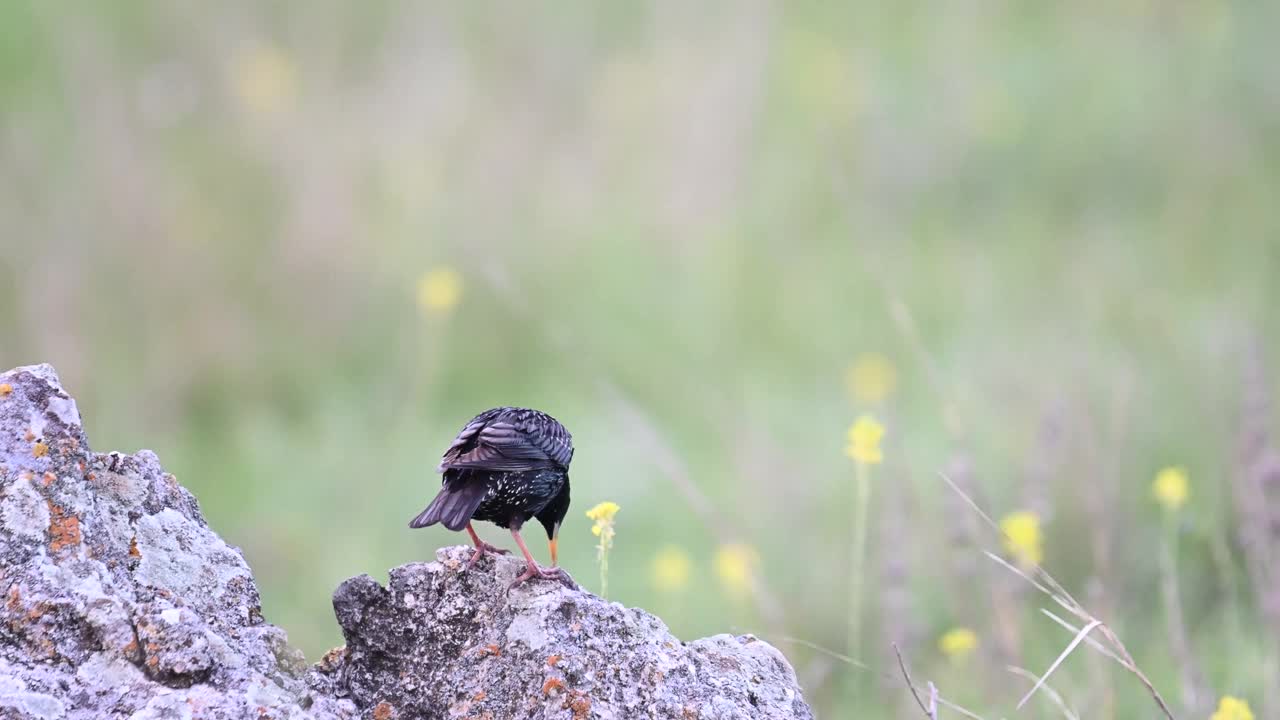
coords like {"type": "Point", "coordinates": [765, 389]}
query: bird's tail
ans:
{"type": "Point", "coordinates": [453, 508]}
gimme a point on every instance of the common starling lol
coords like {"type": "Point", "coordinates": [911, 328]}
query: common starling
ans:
{"type": "Point", "coordinates": [506, 466]}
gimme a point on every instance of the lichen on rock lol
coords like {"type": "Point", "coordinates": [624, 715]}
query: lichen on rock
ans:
{"type": "Point", "coordinates": [116, 599]}
{"type": "Point", "coordinates": [443, 641]}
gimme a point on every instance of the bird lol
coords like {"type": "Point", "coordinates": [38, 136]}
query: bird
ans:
{"type": "Point", "coordinates": [506, 465]}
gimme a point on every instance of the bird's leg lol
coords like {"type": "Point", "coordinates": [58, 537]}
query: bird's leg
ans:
{"type": "Point", "coordinates": [482, 547]}
{"type": "Point", "coordinates": [534, 571]}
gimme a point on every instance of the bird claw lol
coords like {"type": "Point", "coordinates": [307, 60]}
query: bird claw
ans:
{"type": "Point", "coordinates": [483, 548]}
{"type": "Point", "coordinates": [557, 573]}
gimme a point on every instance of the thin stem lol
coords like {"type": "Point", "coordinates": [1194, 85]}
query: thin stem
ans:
{"type": "Point", "coordinates": [1173, 612]}
{"type": "Point", "coordinates": [606, 541]}
{"type": "Point", "coordinates": [930, 713]}
{"type": "Point", "coordinates": [858, 569]}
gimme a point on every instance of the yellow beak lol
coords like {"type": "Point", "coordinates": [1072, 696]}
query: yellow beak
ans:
{"type": "Point", "coordinates": [552, 543]}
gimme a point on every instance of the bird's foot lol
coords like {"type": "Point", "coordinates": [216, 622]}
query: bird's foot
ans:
{"type": "Point", "coordinates": [555, 573]}
{"type": "Point", "coordinates": [483, 548]}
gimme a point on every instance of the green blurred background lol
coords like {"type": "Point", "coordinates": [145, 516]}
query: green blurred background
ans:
{"type": "Point", "coordinates": [293, 247]}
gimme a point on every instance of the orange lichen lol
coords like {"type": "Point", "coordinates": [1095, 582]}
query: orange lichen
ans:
{"type": "Point", "coordinates": [131, 650]}
{"type": "Point", "coordinates": [15, 598]}
{"type": "Point", "coordinates": [64, 529]}
{"type": "Point", "coordinates": [39, 450]}
{"type": "Point", "coordinates": [383, 711]}
{"type": "Point", "coordinates": [480, 696]}
{"type": "Point", "coordinates": [29, 436]}
{"type": "Point", "coordinates": [329, 662]}
{"type": "Point", "coordinates": [48, 478]}
{"type": "Point", "coordinates": [552, 685]}
{"type": "Point", "coordinates": [491, 649]}
{"type": "Point", "coordinates": [553, 660]}
{"type": "Point", "coordinates": [37, 611]}
{"type": "Point", "coordinates": [134, 552]}
{"type": "Point", "coordinates": [5, 389]}
{"type": "Point", "coordinates": [579, 703]}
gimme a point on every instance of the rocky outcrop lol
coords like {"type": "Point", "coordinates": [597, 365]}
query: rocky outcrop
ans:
{"type": "Point", "coordinates": [118, 601]}
{"type": "Point", "coordinates": [439, 641]}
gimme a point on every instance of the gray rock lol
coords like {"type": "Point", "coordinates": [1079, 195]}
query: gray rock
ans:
{"type": "Point", "coordinates": [440, 641]}
{"type": "Point", "coordinates": [118, 601]}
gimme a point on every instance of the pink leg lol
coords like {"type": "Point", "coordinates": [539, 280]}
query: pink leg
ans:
{"type": "Point", "coordinates": [482, 548]}
{"type": "Point", "coordinates": [533, 571]}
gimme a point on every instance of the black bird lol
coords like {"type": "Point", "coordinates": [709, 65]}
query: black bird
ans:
{"type": "Point", "coordinates": [506, 466]}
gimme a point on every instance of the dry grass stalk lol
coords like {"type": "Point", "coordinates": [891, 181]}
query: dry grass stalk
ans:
{"type": "Point", "coordinates": [935, 698]}
{"type": "Point", "coordinates": [930, 710]}
{"type": "Point", "coordinates": [1048, 691]}
{"type": "Point", "coordinates": [1040, 579]}
{"type": "Point", "coordinates": [1084, 632]}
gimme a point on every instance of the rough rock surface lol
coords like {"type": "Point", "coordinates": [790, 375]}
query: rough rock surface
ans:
{"type": "Point", "coordinates": [443, 642]}
{"type": "Point", "coordinates": [118, 601]}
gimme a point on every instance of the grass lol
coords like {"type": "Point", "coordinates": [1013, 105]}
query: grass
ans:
{"type": "Point", "coordinates": [675, 230]}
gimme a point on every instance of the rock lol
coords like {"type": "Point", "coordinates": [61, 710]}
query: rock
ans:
{"type": "Point", "coordinates": [440, 641]}
{"type": "Point", "coordinates": [118, 601]}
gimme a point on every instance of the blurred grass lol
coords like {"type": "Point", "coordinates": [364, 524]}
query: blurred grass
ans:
{"type": "Point", "coordinates": [213, 220]}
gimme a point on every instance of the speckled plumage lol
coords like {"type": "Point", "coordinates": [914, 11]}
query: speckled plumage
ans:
{"type": "Point", "coordinates": [515, 496]}
{"type": "Point", "coordinates": [505, 466]}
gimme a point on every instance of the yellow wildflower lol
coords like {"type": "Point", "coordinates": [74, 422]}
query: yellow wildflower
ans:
{"type": "Point", "coordinates": [603, 514]}
{"type": "Point", "coordinates": [265, 80]}
{"type": "Point", "coordinates": [736, 564]}
{"type": "Point", "coordinates": [439, 290]}
{"type": "Point", "coordinates": [864, 441]}
{"type": "Point", "coordinates": [1022, 537]}
{"type": "Point", "coordinates": [957, 643]}
{"type": "Point", "coordinates": [871, 378]}
{"type": "Point", "coordinates": [1171, 488]}
{"type": "Point", "coordinates": [1231, 708]}
{"type": "Point", "coordinates": [671, 569]}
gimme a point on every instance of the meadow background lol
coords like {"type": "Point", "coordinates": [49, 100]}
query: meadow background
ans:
{"type": "Point", "coordinates": [292, 247]}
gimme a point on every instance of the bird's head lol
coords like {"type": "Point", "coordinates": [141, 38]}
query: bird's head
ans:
{"type": "Point", "coordinates": [551, 518]}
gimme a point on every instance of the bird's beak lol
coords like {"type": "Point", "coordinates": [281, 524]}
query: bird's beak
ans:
{"type": "Point", "coordinates": [555, 536]}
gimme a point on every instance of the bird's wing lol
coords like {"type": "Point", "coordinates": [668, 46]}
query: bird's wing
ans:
{"type": "Point", "coordinates": [551, 438]}
{"type": "Point", "coordinates": [468, 439]}
{"type": "Point", "coordinates": [510, 441]}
